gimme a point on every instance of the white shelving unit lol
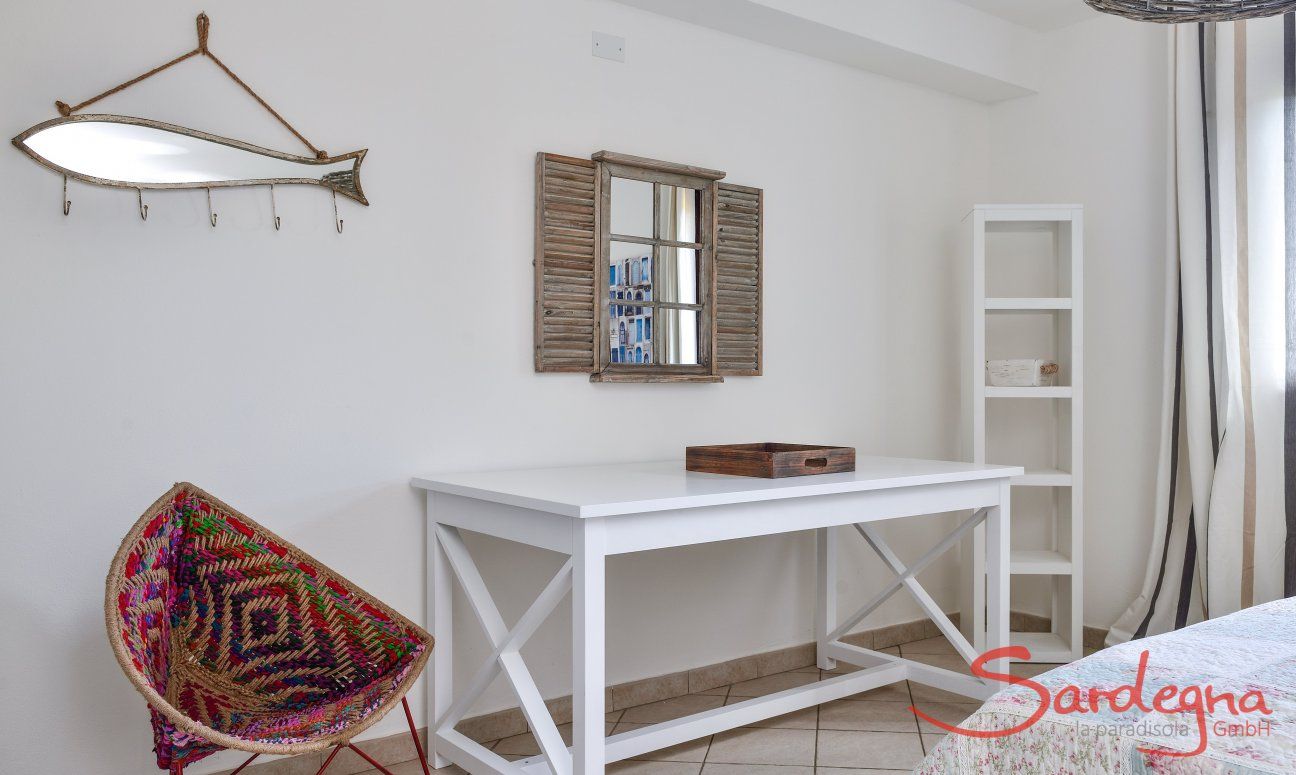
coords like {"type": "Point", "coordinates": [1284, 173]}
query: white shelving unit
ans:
{"type": "Point", "coordinates": [1026, 294]}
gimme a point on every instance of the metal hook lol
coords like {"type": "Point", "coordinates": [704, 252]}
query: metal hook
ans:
{"type": "Point", "coordinates": [143, 208]}
{"type": "Point", "coordinates": [339, 221]}
{"type": "Point", "coordinates": [211, 215]}
{"type": "Point", "coordinates": [274, 209]}
{"type": "Point", "coordinates": [67, 205]}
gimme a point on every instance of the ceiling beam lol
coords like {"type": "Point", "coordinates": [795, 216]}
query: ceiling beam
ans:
{"type": "Point", "coordinates": [939, 44]}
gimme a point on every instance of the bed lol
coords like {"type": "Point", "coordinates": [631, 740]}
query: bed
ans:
{"type": "Point", "coordinates": [1250, 656]}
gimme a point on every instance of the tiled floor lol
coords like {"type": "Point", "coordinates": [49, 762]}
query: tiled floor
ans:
{"type": "Point", "coordinates": [873, 733]}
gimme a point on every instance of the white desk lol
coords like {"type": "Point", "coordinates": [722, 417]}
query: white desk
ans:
{"type": "Point", "coordinates": [593, 512]}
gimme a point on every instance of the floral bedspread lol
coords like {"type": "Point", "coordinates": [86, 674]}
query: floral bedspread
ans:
{"type": "Point", "coordinates": [1248, 658]}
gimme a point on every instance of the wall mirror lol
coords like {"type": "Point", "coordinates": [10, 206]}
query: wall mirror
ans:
{"type": "Point", "coordinates": [646, 271]}
{"type": "Point", "coordinates": [129, 152]}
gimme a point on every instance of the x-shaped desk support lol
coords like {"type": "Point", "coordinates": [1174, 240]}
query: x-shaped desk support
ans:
{"type": "Point", "coordinates": [505, 656]}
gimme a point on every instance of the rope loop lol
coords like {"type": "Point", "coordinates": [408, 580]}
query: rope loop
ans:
{"type": "Point", "coordinates": [204, 27]}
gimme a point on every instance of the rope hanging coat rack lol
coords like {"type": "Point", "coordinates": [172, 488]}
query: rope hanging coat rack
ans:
{"type": "Point", "coordinates": [120, 157]}
{"type": "Point", "coordinates": [204, 29]}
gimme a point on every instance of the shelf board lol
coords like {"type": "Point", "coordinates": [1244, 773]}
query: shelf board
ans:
{"type": "Point", "coordinates": [1039, 562]}
{"type": "Point", "coordinates": [1028, 392]}
{"type": "Point", "coordinates": [1043, 477]}
{"type": "Point", "coordinates": [1028, 304]}
{"type": "Point", "coordinates": [1045, 647]}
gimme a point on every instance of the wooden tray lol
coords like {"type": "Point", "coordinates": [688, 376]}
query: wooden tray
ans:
{"type": "Point", "coordinates": [770, 460]}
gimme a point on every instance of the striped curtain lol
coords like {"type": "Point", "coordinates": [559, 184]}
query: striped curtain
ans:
{"type": "Point", "coordinates": [1224, 536]}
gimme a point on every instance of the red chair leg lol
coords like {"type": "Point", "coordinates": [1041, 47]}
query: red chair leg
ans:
{"type": "Point", "coordinates": [239, 769]}
{"type": "Point", "coordinates": [418, 747]}
{"type": "Point", "coordinates": [369, 759]}
{"type": "Point", "coordinates": [414, 734]}
{"type": "Point", "coordinates": [336, 750]}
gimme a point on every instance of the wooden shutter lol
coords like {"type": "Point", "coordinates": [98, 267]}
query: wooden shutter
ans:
{"type": "Point", "coordinates": [566, 244]}
{"type": "Point", "coordinates": [738, 258]}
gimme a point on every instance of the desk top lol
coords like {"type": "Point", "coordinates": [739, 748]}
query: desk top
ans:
{"type": "Point", "coordinates": [635, 488]}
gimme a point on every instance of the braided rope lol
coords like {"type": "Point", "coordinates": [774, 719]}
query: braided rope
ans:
{"type": "Point", "coordinates": [1183, 11]}
{"type": "Point", "coordinates": [204, 29]}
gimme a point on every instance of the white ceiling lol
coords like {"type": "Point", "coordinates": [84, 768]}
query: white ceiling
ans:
{"type": "Point", "coordinates": [1036, 14]}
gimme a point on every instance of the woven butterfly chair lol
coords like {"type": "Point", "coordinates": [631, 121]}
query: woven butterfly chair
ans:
{"type": "Point", "coordinates": [237, 639]}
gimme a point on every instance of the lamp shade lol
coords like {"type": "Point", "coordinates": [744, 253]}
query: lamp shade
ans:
{"type": "Point", "coordinates": [1181, 11]}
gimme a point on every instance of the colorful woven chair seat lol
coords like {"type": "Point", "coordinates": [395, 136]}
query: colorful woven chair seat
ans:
{"type": "Point", "coordinates": [237, 639]}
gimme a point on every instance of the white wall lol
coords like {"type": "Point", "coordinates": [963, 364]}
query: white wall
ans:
{"type": "Point", "coordinates": [305, 377]}
{"type": "Point", "coordinates": [1096, 134]}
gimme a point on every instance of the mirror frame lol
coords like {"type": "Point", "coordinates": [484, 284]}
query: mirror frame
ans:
{"type": "Point", "coordinates": [616, 165]}
{"type": "Point", "coordinates": [20, 143]}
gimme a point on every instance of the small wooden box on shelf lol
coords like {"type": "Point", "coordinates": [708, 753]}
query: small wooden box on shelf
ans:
{"type": "Point", "coordinates": [770, 460]}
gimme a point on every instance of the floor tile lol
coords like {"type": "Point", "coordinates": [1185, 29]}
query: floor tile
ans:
{"type": "Point", "coordinates": [772, 683]}
{"type": "Point", "coordinates": [1029, 669]}
{"type": "Point", "coordinates": [653, 768]}
{"type": "Point", "coordinates": [801, 719]}
{"type": "Point", "coordinates": [517, 745]}
{"type": "Point", "coordinates": [691, 751]}
{"type": "Point", "coordinates": [764, 746]}
{"type": "Point", "coordinates": [756, 769]}
{"type": "Point", "coordinates": [948, 661]}
{"type": "Point", "coordinates": [952, 713]}
{"type": "Point", "coordinates": [872, 733]}
{"type": "Point", "coordinates": [923, 693]}
{"type": "Point", "coordinates": [881, 750]}
{"type": "Point", "coordinates": [525, 744]}
{"type": "Point", "coordinates": [842, 669]}
{"type": "Point", "coordinates": [304, 764]}
{"type": "Point", "coordinates": [414, 768]}
{"type": "Point", "coordinates": [667, 710]}
{"type": "Point", "coordinates": [897, 692]}
{"type": "Point", "coordinates": [868, 715]}
{"type": "Point", "coordinates": [937, 645]}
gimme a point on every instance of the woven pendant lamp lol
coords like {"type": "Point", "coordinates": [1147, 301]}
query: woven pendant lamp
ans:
{"type": "Point", "coordinates": [1181, 11]}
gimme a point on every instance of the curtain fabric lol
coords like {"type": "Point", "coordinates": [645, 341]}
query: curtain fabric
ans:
{"type": "Point", "coordinates": [1224, 536]}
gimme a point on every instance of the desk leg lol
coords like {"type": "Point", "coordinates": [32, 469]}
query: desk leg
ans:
{"type": "Point", "coordinates": [998, 535]}
{"type": "Point", "coordinates": [826, 597]}
{"type": "Point", "coordinates": [588, 646]}
{"type": "Point", "coordinates": [440, 617]}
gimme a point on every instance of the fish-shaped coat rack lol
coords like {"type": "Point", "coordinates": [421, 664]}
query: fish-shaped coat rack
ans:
{"type": "Point", "coordinates": [140, 153]}
{"type": "Point", "coordinates": [137, 153]}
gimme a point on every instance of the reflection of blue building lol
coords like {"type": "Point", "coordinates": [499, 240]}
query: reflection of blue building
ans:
{"type": "Point", "coordinates": [630, 332]}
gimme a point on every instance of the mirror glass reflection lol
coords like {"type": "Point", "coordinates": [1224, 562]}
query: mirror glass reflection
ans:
{"type": "Point", "coordinates": [630, 285]}
{"type": "Point", "coordinates": [145, 156]}
{"type": "Point", "coordinates": [678, 336]}
{"type": "Point", "coordinates": [632, 207]}
{"type": "Point", "coordinates": [677, 275]}
{"type": "Point", "coordinates": [644, 276]}
{"type": "Point", "coordinates": [678, 214]}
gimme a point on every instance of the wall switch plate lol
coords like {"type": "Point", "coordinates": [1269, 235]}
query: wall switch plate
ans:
{"type": "Point", "coordinates": [607, 46]}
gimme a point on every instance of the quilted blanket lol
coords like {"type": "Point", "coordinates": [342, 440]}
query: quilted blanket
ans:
{"type": "Point", "coordinates": [1217, 697]}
